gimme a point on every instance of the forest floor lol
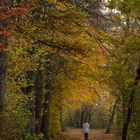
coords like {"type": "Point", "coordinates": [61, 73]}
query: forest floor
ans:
{"type": "Point", "coordinates": [95, 134]}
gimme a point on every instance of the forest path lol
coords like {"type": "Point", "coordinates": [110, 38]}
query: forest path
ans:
{"type": "Point", "coordinates": [95, 134]}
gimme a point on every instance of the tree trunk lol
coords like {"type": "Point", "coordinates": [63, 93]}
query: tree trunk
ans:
{"type": "Point", "coordinates": [89, 115]}
{"type": "Point", "coordinates": [128, 118]}
{"type": "Point", "coordinates": [82, 117]}
{"type": "Point", "coordinates": [38, 100]}
{"type": "Point", "coordinates": [47, 100]}
{"type": "Point", "coordinates": [3, 56]}
{"type": "Point", "coordinates": [130, 104]}
{"type": "Point", "coordinates": [111, 120]}
{"type": "Point", "coordinates": [46, 111]}
{"type": "Point", "coordinates": [2, 85]}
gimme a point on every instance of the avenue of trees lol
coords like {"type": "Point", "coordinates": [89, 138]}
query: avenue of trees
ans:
{"type": "Point", "coordinates": [63, 62]}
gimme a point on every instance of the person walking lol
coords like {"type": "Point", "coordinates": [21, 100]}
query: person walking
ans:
{"type": "Point", "coordinates": [86, 129]}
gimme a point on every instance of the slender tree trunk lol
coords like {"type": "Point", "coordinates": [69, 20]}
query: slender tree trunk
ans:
{"type": "Point", "coordinates": [89, 115]}
{"type": "Point", "coordinates": [70, 119]}
{"type": "Point", "coordinates": [128, 117]}
{"type": "Point", "coordinates": [38, 99]}
{"type": "Point", "coordinates": [46, 111]}
{"type": "Point", "coordinates": [2, 85]}
{"type": "Point", "coordinates": [86, 114]}
{"type": "Point", "coordinates": [3, 56]}
{"type": "Point", "coordinates": [130, 105]}
{"type": "Point", "coordinates": [82, 118]}
{"type": "Point", "coordinates": [111, 120]}
{"type": "Point", "coordinates": [47, 100]}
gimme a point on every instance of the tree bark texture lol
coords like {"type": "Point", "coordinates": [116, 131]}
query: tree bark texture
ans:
{"type": "Point", "coordinates": [38, 99]}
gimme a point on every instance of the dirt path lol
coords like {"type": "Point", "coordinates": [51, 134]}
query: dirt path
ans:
{"type": "Point", "coordinates": [76, 134]}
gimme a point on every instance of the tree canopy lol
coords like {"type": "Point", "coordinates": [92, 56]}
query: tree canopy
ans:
{"type": "Point", "coordinates": [65, 62]}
